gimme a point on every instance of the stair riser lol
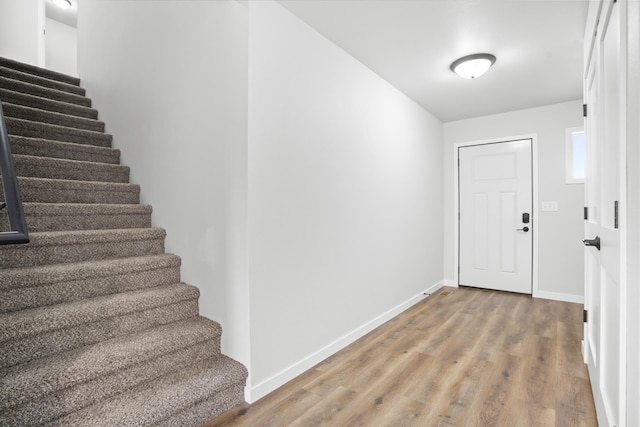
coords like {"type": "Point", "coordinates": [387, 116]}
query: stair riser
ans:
{"type": "Point", "coordinates": [35, 90]}
{"type": "Point", "coordinates": [86, 222]}
{"type": "Point", "coordinates": [27, 113]}
{"type": "Point", "coordinates": [73, 195]}
{"type": "Point", "coordinates": [77, 290]}
{"type": "Point", "coordinates": [61, 150]}
{"type": "Point", "coordinates": [31, 255]}
{"type": "Point", "coordinates": [41, 103]}
{"type": "Point", "coordinates": [30, 129]}
{"type": "Point", "coordinates": [65, 192]}
{"type": "Point", "coordinates": [37, 71]}
{"type": "Point", "coordinates": [41, 81]}
{"type": "Point", "coordinates": [53, 169]}
{"type": "Point", "coordinates": [49, 343]}
{"type": "Point", "coordinates": [62, 402]}
{"type": "Point", "coordinates": [205, 410]}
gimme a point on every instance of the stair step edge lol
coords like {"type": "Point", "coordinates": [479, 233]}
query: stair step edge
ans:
{"type": "Point", "coordinates": [69, 163]}
{"type": "Point", "coordinates": [51, 117]}
{"type": "Point", "coordinates": [62, 150]}
{"type": "Point", "coordinates": [177, 392]}
{"type": "Point", "coordinates": [44, 92]}
{"type": "Point", "coordinates": [47, 104]}
{"type": "Point", "coordinates": [41, 81]}
{"type": "Point", "coordinates": [51, 190]}
{"type": "Point", "coordinates": [55, 209]}
{"type": "Point", "coordinates": [61, 402]}
{"type": "Point", "coordinates": [28, 128]}
{"type": "Point", "coordinates": [76, 184]}
{"type": "Point", "coordinates": [72, 237]}
{"type": "Point", "coordinates": [38, 290]}
{"type": "Point", "coordinates": [29, 381]}
{"type": "Point", "coordinates": [17, 325]}
{"type": "Point", "coordinates": [39, 71]}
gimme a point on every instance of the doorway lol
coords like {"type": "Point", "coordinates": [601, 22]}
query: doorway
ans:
{"type": "Point", "coordinates": [496, 226]}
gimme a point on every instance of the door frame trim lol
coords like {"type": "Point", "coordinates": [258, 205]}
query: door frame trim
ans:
{"type": "Point", "coordinates": [536, 214]}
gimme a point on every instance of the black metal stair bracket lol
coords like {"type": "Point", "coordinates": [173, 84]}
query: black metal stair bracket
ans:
{"type": "Point", "coordinates": [12, 201]}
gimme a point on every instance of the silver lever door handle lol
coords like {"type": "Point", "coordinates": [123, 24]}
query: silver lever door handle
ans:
{"type": "Point", "coordinates": [525, 229]}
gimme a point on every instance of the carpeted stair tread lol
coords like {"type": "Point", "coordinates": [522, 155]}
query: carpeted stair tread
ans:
{"type": "Point", "coordinates": [208, 409]}
{"type": "Point", "coordinates": [42, 116]}
{"type": "Point", "coordinates": [31, 287]}
{"type": "Point", "coordinates": [44, 92]}
{"type": "Point", "coordinates": [32, 334]}
{"type": "Point", "coordinates": [45, 190]}
{"type": "Point", "coordinates": [29, 381]}
{"type": "Point", "coordinates": [38, 71]}
{"type": "Point", "coordinates": [34, 101]}
{"type": "Point", "coordinates": [76, 216]}
{"type": "Point", "coordinates": [41, 81]}
{"type": "Point", "coordinates": [54, 273]}
{"type": "Point", "coordinates": [62, 402]}
{"type": "Point", "coordinates": [32, 129]}
{"type": "Point", "coordinates": [169, 400]}
{"type": "Point", "coordinates": [58, 247]}
{"type": "Point", "coordinates": [63, 316]}
{"type": "Point", "coordinates": [47, 167]}
{"type": "Point", "coordinates": [63, 150]}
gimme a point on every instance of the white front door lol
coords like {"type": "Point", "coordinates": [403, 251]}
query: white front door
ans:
{"type": "Point", "coordinates": [495, 216]}
{"type": "Point", "coordinates": [604, 200]}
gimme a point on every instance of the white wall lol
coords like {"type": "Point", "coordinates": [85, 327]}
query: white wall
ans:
{"type": "Point", "coordinates": [61, 48]}
{"type": "Point", "coordinates": [21, 23]}
{"type": "Point", "coordinates": [170, 80]}
{"type": "Point", "coordinates": [345, 200]}
{"type": "Point", "coordinates": [255, 129]}
{"type": "Point", "coordinates": [560, 250]}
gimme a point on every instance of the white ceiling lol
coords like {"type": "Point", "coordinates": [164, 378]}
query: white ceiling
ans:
{"type": "Point", "coordinates": [67, 16]}
{"type": "Point", "coordinates": [412, 43]}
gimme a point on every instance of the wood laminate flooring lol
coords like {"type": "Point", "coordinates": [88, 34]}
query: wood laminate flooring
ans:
{"type": "Point", "coordinates": [461, 357]}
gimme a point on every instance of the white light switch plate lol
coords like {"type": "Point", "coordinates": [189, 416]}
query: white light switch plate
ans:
{"type": "Point", "coordinates": [549, 206]}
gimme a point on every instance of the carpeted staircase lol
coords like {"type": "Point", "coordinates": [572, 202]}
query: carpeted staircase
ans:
{"type": "Point", "coordinates": [96, 328]}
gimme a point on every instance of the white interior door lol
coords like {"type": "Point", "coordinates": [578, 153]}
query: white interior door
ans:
{"type": "Point", "coordinates": [604, 200]}
{"type": "Point", "coordinates": [495, 216]}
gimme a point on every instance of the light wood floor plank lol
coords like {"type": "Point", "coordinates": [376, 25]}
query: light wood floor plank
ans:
{"type": "Point", "coordinates": [461, 357]}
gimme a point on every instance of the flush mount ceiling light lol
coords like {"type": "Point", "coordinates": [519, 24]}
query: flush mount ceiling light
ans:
{"type": "Point", "coordinates": [472, 66]}
{"type": "Point", "coordinates": [63, 4]}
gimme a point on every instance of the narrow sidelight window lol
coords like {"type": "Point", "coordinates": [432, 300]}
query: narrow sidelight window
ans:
{"type": "Point", "coordinates": [575, 155]}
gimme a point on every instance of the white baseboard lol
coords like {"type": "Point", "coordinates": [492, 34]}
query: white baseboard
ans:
{"type": "Point", "coordinates": [435, 287]}
{"type": "Point", "coordinates": [265, 387]}
{"type": "Point", "coordinates": [450, 283]}
{"type": "Point", "coordinates": [578, 299]}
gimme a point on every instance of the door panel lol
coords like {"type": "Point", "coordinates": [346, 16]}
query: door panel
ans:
{"type": "Point", "coordinates": [495, 189]}
{"type": "Point", "coordinates": [603, 197]}
{"type": "Point", "coordinates": [508, 215]}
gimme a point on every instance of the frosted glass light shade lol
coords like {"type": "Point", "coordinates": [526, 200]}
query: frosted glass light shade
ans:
{"type": "Point", "coordinates": [472, 66]}
{"type": "Point", "coordinates": [64, 4]}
